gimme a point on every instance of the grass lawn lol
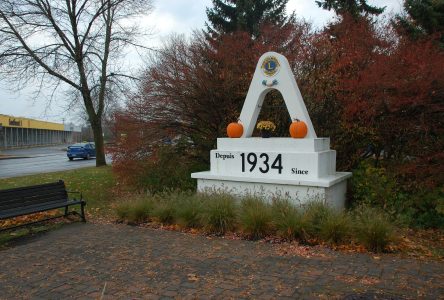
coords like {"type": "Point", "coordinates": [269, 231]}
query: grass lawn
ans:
{"type": "Point", "coordinates": [96, 185]}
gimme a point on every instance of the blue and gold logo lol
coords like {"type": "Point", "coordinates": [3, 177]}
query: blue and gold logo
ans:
{"type": "Point", "coordinates": [270, 66]}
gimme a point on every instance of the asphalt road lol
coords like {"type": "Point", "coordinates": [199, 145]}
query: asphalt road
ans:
{"type": "Point", "coordinates": [39, 160]}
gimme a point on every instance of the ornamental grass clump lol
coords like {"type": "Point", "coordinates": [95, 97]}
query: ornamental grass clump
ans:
{"type": "Point", "coordinates": [219, 215]}
{"type": "Point", "coordinates": [141, 210]}
{"type": "Point", "coordinates": [288, 220]}
{"type": "Point", "coordinates": [372, 228]}
{"type": "Point", "coordinates": [190, 210]}
{"type": "Point", "coordinates": [255, 217]}
{"type": "Point", "coordinates": [335, 228]}
{"type": "Point", "coordinates": [136, 211]}
{"type": "Point", "coordinates": [122, 211]}
{"type": "Point", "coordinates": [165, 207]}
{"type": "Point", "coordinates": [314, 214]}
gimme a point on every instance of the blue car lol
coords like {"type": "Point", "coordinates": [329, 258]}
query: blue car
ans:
{"type": "Point", "coordinates": [81, 150]}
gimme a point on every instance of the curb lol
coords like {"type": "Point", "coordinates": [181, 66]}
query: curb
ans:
{"type": "Point", "coordinates": [4, 157]}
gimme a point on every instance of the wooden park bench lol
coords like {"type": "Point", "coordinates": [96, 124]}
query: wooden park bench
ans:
{"type": "Point", "coordinates": [38, 198]}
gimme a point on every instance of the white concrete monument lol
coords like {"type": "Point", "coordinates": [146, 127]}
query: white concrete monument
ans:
{"type": "Point", "coordinates": [299, 169]}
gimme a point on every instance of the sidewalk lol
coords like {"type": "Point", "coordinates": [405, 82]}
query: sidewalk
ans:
{"type": "Point", "coordinates": [82, 260]}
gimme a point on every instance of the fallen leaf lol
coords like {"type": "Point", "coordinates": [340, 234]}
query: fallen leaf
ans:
{"type": "Point", "coordinates": [192, 277]}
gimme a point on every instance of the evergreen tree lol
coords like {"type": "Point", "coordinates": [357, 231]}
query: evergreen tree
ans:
{"type": "Point", "coordinates": [352, 7]}
{"type": "Point", "coordinates": [245, 15]}
{"type": "Point", "coordinates": [424, 17]}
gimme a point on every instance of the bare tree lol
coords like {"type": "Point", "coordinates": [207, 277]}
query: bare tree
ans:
{"type": "Point", "coordinates": [71, 42]}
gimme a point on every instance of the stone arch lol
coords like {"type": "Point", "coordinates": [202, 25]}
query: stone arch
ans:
{"type": "Point", "coordinates": [262, 83]}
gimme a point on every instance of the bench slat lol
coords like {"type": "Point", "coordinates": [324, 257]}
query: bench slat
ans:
{"type": "Point", "coordinates": [38, 186]}
{"type": "Point", "coordinates": [33, 197]}
{"type": "Point", "coordinates": [18, 193]}
{"type": "Point", "coordinates": [35, 209]}
{"type": "Point", "coordinates": [32, 202]}
{"type": "Point", "coordinates": [31, 207]}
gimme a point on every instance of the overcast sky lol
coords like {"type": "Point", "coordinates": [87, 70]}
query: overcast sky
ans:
{"type": "Point", "coordinates": [169, 16]}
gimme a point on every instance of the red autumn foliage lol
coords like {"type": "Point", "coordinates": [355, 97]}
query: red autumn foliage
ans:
{"type": "Point", "coordinates": [393, 87]}
{"type": "Point", "coordinates": [362, 83]}
{"type": "Point", "coordinates": [195, 89]}
{"type": "Point", "coordinates": [192, 90]}
{"type": "Point", "coordinates": [123, 153]}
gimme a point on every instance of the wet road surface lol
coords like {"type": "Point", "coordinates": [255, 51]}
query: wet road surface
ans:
{"type": "Point", "coordinates": [39, 160]}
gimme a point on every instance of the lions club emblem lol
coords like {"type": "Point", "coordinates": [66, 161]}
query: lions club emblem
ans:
{"type": "Point", "coordinates": [270, 66]}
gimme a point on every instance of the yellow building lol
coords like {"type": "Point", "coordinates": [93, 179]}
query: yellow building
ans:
{"type": "Point", "coordinates": [18, 122]}
{"type": "Point", "coordinates": [24, 132]}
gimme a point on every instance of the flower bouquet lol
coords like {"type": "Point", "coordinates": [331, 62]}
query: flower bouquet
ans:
{"type": "Point", "coordinates": [266, 128]}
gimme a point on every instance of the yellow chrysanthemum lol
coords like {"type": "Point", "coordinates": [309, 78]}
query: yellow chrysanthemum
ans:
{"type": "Point", "coordinates": [266, 125]}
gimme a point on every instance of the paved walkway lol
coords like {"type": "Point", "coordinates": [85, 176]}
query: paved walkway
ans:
{"type": "Point", "coordinates": [80, 260]}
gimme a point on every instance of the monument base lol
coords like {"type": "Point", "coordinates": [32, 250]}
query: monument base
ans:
{"type": "Point", "coordinates": [331, 190]}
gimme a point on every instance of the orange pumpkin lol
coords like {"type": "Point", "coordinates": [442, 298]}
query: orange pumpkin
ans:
{"type": "Point", "coordinates": [235, 130]}
{"type": "Point", "coordinates": [298, 129]}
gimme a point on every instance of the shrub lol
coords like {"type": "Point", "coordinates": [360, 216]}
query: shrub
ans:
{"type": "Point", "coordinates": [220, 213]}
{"type": "Point", "coordinates": [372, 186]}
{"type": "Point", "coordinates": [163, 172]}
{"type": "Point", "coordinates": [255, 217]}
{"type": "Point", "coordinates": [335, 228]}
{"type": "Point", "coordinates": [189, 211]}
{"type": "Point", "coordinates": [155, 169]}
{"type": "Point", "coordinates": [288, 220]}
{"type": "Point", "coordinates": [427, 208]}
{"type": "Point", "coordinates": [372, 228]}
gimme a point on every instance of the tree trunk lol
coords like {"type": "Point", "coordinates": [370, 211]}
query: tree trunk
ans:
{"type": "Point", "coordinates": [96, 126]}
